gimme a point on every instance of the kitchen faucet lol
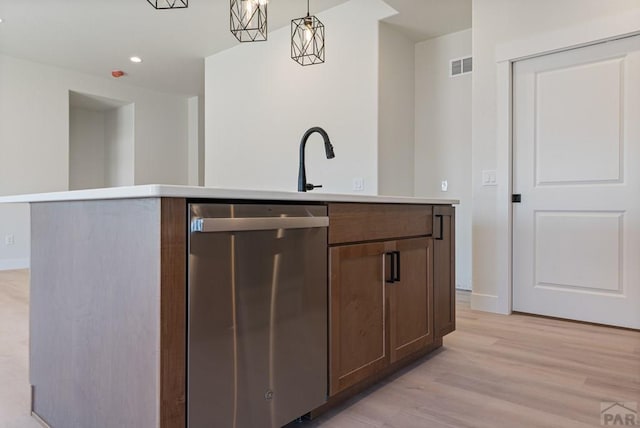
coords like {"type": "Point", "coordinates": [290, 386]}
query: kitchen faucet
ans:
{"type": "Point", "coordinates": [303, 186]}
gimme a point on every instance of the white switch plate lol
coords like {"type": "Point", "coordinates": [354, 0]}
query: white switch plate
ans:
{"type": "Point", "coordinates": [358, 184]}
{"type": "Point", "coordinates": [489, 177]}
{"type": "Point", "coordinates": [9, 240]}
{"type": "Point", "coordinates": [444, 185]}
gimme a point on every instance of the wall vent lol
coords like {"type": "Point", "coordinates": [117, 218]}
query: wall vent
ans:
{"type": "Point", "coordinates": [460, 66]}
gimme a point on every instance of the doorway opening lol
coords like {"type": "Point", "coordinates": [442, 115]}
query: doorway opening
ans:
{"type": "Point", "coordinates": [101, 142]}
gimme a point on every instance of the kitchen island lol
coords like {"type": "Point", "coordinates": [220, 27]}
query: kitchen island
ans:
{"type": "Point", "coordinates": [110, 296]}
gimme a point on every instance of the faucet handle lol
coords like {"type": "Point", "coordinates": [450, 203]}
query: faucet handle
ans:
{"type": "Point", "coordinates": [310, 186]}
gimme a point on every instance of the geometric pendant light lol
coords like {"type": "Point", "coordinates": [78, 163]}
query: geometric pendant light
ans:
{"type": "Point", "coordinates": [249, 20]}
{"type": "Point", "coordinates": [169, 4]}
{"type": "Point", "coordinates": [307, 40]}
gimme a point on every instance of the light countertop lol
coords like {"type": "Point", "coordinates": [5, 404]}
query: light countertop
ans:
{"type": "Point", "coordinates": [166, 191]}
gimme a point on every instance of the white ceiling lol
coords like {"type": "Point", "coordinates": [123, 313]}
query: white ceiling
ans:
{"type": "Point", "coordinates": [93, 102]}
{"type": "Point", "coordinates": [424, 19]}
{"type": "Point", "coordinates": [97, 36]}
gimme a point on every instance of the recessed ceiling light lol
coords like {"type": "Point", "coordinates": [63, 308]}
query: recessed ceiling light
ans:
{"type": "Point", "coordinates": [0, 20]}
{"type": "Point", "coordinates": [136, 59]}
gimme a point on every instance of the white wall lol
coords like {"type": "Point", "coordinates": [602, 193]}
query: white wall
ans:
{"type": "Point", "coordinates": [193, 150]}
{"type": "Point", "coordinates": [396, 91]}
{"type": "Point", "coordinates": [101, 147]}
{"type": "Point", "coordinates": [259, 102]}
{"type": "Point", "coordinates": [201, 146]}
{"type": "Point", "coordinates": [161, 139]}
{"type": "Point", "coordinates": [14, 220]}
{"type": "Point", "coordinates": [443, 135]}
{"type": "Point", "coordinates": [195, 106]}
{"type": "Point", "coordinates": [34, 137]}
{"type": "Point", "coordinates": [119, 146]}
{"type": "Point", "coordinates": [496, 22]}
{"type": "Point", "coordinates": [86, 149]}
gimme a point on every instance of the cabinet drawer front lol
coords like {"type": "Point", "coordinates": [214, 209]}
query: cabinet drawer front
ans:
{"type": "Point", "coordinates": [370, 222]}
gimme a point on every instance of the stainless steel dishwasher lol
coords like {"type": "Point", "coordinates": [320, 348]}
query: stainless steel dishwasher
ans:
{"type": "Point", "coordinates": [257, 315]}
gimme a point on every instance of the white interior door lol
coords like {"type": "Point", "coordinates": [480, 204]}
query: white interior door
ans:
{"type": "Point", "coordinates": [576, 233]}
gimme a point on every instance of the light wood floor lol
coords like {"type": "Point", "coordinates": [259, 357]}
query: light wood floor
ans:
{"type": "Point", "coordinates": [14, 350]}
{"type": "Point", "coordinates": [494, 371]}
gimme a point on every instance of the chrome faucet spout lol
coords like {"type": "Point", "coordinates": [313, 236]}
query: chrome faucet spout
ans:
{"type": "Point", "coordinates": [303, 186]}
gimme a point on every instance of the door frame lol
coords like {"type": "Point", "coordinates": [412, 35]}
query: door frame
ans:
{"type": "Point", "coordinates": [585, 34]}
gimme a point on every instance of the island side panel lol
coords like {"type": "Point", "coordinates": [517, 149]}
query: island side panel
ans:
{"type": "Point", "coordinates": [173, 289]}
{"type": "Point", "coordinates": [95, 313]}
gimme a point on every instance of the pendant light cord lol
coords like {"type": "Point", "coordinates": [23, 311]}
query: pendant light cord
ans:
{"type": "Point", "coordinates": [307, 7]}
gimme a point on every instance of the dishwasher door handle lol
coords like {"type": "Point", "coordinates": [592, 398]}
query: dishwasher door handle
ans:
{"type": "Point", "coordinates": [256, 223]}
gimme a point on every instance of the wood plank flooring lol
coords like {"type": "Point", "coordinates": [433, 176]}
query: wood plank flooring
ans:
{"type": "Point", "coordinates": [494, 371]}
{"type": "Point", "coordinates": [15, 391]}
{"type": "Point", "coordinates": [504, 371]}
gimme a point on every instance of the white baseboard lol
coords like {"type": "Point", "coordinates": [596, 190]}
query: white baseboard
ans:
{"type": "Point", "coordinates": [484, 302]}
{"type": "Point", "coordinates": [11, 264]}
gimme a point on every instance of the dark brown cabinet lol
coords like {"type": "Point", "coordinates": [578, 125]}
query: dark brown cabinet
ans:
{"type": "Point", "coordinates": [410, 298]}
{"type": "Point", "coordinates": [444, 278]}
{"type": "Point", "coordinates": [381, 292]}
{"type": "Point", "coordinates": [381, 296]}
{"type": "Point", "coordinates": [357, 347]}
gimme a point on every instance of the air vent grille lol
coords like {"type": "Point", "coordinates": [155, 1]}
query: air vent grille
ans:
{"type": "Point", "coordinates": [467, 65]}
{"type": "Point", "coordinates": [460, 66]}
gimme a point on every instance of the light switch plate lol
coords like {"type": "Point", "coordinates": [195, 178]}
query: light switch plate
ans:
{"type": "Point", "coordinates": [9, 240]}
{"type": "Point", "coordinates": [489, 177]}
{"type": "Point", "coordinates": [444, 185]}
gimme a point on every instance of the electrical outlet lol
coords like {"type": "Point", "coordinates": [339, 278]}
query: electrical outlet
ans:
{"type": "Point", "coordinates": [358, 184]}
{"type": "Point", "coordinates": [444, 185]}
{"type": "Point", "coordinates": [9, 240]}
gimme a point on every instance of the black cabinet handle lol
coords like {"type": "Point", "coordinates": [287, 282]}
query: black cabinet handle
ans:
{"type": "Point", "coordinates": [393, 268]}
{"type": "Point", "coordinates": [440, 236]}
{"type": "Point", "coordinates": [397, 268]}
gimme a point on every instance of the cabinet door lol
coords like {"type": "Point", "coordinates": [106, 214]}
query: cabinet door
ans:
{"type": "Point", "coordinates": [411, 297]}
{"type": "Point", "coordinates": [357, 307]}
{"type": "Point", "coordinates": [444, 281]}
